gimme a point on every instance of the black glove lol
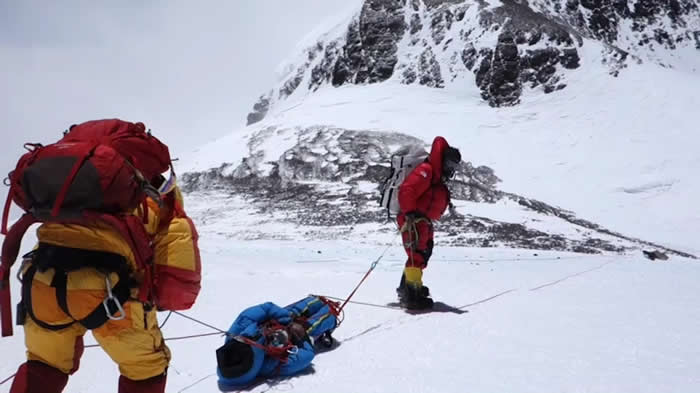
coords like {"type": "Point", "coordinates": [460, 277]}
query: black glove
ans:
{"type": "Point", "coordinates": [413, 215]}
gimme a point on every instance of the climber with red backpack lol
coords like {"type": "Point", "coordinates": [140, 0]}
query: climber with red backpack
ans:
{"type": "Point", "coordinates": [421, 196]}
{"type": "Point", "coordinates": [114, 247]}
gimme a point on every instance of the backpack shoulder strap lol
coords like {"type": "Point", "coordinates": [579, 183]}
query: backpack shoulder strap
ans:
{"type": "Point", "coordinates": [10, 250]}
{"type": "Point", "coordinates": [131, 228]}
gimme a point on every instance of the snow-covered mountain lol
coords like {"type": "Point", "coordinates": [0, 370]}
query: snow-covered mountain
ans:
{"type": "Point", "coordinates": [605, 164]}
{"type": "Point", "coordinates": [501, 47]}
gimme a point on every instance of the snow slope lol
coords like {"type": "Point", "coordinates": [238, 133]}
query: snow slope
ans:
{"type": "Point", "coordinates": [621, 152]}
{"type": "Point", "coordinates": [536, 322]}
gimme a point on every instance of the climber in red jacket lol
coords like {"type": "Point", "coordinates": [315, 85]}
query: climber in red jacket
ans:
{"type": "Point", "coordinates": [423, 197]}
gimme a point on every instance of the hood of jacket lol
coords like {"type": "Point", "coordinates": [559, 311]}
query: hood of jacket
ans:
{"type": "Point", "coordinates": [435, 158]}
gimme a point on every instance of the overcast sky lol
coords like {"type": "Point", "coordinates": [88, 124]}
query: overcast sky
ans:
{"type": "Point", "coordinates": [190, 70]}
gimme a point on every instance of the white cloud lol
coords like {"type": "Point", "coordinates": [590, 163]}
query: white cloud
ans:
{"type": "Point", "coordinates": [189, 70]}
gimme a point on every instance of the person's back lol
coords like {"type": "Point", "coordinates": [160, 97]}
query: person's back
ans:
{"type": "Point", "coordinates": [89, 275]}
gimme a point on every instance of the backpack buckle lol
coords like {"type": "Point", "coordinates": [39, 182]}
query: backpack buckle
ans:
{"type": "Point", "coordinates": [110, 297]}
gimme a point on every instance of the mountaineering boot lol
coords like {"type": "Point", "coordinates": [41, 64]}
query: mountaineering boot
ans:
{"type": "Point", "coordinates": [425, 292]}
{"type": "Point", "coordinates": [151, 385]}
{"type": "Point", "coordinates": [413, 299]}
{"type": "Point", "coordinates": [326, 340]}
{"type": "Point", "coordinates": [413, 296]}
{"type": "Point", "coordinates": [37, 377]}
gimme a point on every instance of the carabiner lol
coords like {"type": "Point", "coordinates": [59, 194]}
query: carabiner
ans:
{"type": "Point", "coordinates": [110, 296]}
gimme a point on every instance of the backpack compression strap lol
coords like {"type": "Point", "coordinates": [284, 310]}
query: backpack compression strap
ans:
{"type": "Point", "coordinates": [10, 250]}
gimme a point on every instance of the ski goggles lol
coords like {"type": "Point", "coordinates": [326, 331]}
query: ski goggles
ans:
{"type": "Point", "coordinates": [169, 182]}
{"type": "Point", "coordinates": [450, 168]}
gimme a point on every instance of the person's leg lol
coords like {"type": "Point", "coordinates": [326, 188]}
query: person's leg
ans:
{"type": "Point", "coordinates": [37, 377]}
{"type": "Point", "coordinates": [51, 357]}
{"type": "Point", "coordinates": [412, 244]}
{"type": "Point", "coordinates": [424, 248]}
{"type": "Point", "coordinates": [151, 385]}
{"type": "Point", "coordinates": [136, 345]}
{"type": "Point", "coordinates": [306, 306]}
{"type": "Point", "coordinates": [321, 321]}
{"type": "Point", "coordinates": [418, 245]}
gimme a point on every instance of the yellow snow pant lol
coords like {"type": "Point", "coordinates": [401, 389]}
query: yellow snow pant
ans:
{"type": "Point", "coordinates": [135, 343]}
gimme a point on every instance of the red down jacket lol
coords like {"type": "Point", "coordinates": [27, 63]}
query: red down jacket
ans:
{"type": "Point", "coordinates": [423, 190]}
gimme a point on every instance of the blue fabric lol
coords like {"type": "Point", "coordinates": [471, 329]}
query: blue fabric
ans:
{"type": "Point", "coordinates": [296, 362]}
{"type": "Point", "coordinates": [317, 313]}
{"type": "Point", "coordinates": [248, 324]}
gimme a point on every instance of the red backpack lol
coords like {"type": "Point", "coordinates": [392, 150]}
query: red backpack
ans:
{"type": "Point", "coordinates": [99, 170]}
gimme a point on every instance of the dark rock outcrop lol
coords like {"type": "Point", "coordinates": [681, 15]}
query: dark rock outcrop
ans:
{"type": "Point", "coordinates": [260, 109]}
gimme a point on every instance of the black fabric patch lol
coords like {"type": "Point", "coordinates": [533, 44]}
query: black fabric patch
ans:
{"type": "Point", "coordinates": [43, 181]}
{"type": "Point", "coordinates": [234, 359]}
{"type": "Point", "coordinates": [70, 259]}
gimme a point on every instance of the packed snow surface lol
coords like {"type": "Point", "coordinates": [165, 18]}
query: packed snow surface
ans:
{"type": "Point", "coordinates": [536, 321]}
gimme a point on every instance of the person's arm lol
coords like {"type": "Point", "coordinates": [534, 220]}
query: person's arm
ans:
{"type": "Point", "coordinates": [299, 360]}
{"type": "Point", "coordinates": [248, 321]}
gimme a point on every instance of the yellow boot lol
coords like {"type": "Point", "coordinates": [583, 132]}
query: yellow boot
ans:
{"type": "Point", "coordinates": [414, 276]}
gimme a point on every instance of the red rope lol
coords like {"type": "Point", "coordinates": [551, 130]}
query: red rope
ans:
{"type": "Point", "coordinates": [333, 306]}
{"type": "Point", "coordinates": [374, 264]}
{"type": "Point", "coordinates": [336, 311]}
{"type": "Point", "coordinates": [279, 353]}
{"type": "Point", "coordinates": [357, 287]}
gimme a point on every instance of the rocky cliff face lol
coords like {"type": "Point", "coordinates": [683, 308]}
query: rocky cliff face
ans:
{"type": "Point", "coordinates": [500, 47]}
